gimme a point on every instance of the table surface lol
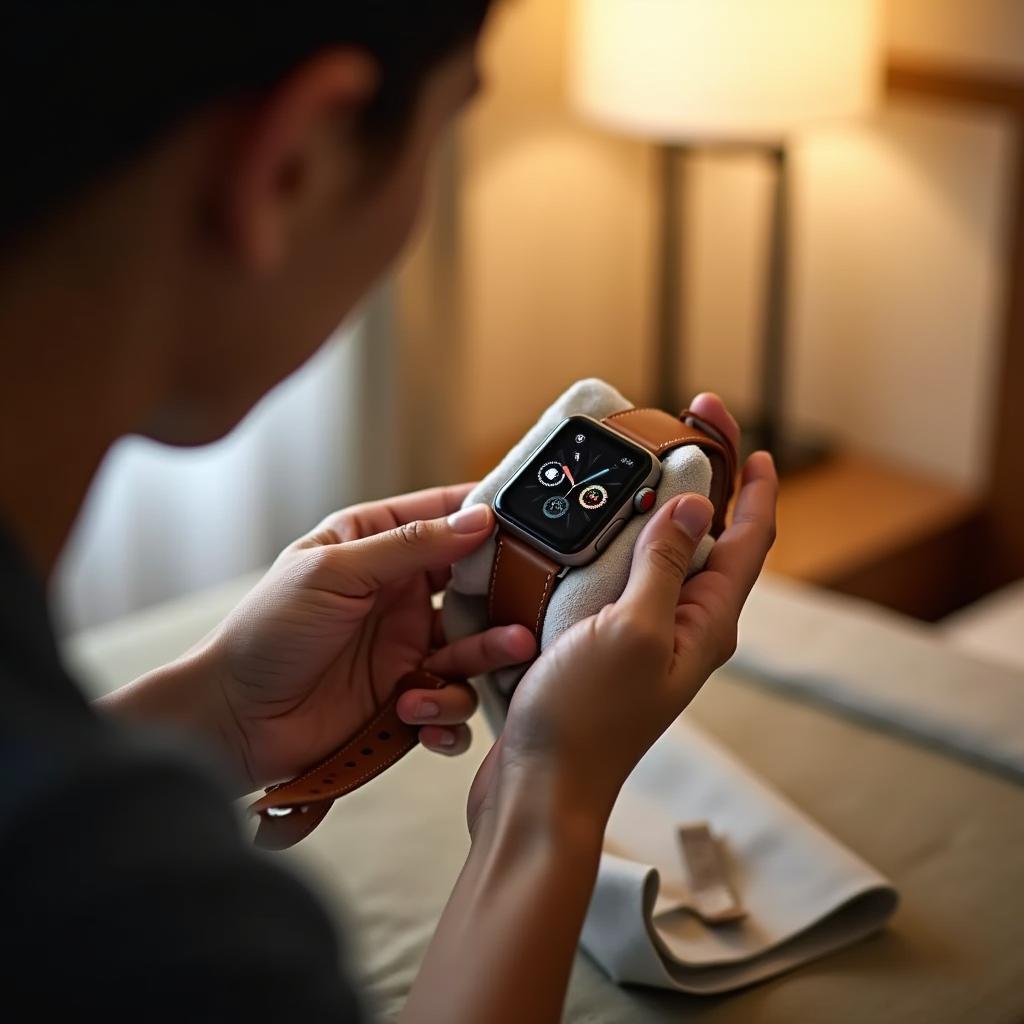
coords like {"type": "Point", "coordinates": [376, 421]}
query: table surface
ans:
{"type": "Point", "coordinates": [948, 834]}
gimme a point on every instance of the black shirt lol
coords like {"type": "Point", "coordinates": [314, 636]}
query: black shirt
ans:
{"type": "Point", "coordinates": [129, 892]}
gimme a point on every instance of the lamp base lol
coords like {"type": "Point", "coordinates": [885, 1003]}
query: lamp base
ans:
{"type": "Point", "coordinates": [793, 452]}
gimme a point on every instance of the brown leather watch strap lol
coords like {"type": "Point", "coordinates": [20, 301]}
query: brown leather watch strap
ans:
{"type": "Point", "coordinates": [522, 580]}
{"type": "Point", "coordinates": [290, 811]}
{"type": "Point", "coordinates": [660, 433]}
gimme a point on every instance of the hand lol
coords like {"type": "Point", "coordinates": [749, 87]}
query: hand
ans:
{"type": "Point", "coordinates": [320, 642]}
{"type": "Point", "coordinates": [593, 703]}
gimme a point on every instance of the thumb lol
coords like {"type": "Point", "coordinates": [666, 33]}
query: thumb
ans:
{"type": "Point", "coordinates": [662, 556]}
{"type": "Point", "coordinates": [418, 546]}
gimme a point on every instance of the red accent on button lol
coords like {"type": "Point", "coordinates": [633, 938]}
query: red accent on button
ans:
{"type": "Point", "coordinates": [645, 500]}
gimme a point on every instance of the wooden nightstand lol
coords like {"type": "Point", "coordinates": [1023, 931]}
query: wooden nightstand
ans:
{"type": "Point", "coordinates": [864, 527]}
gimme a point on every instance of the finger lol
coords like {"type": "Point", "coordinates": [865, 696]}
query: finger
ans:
{"type": "Point", "coordinates": [709, 406]}
{"type": "Point", "coordinates": [418, 546]}
{"type": "Point", "coordinates": [448, 741]}
{"type": "Point", "coordinates": [451, 705]}
{"type": "Point", "coordinates": [662, 556]}
{"type": "Point", "coordinates": [739, 553]}
{"type": "Point", "coordinates": [428, 504]}
{"type": "Point", "coordinates": [373, 517]}
{"type": "Point", "coordinates": [483, 652]}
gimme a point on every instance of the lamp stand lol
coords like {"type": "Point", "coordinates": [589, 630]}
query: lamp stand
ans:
{"type": "Point", "coordinates": [767, 428]}
{"type": "Point", "coordinates": [668, 387]}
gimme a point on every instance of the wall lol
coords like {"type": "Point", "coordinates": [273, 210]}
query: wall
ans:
{"type": "Point", "coordinates": [897, 276]}
{"type": "Point", "coordinates": [986, 33]}
{"type": "Point", "coordinates": [900, 273]}
{"type": "Point", "coordinates": [161, 522]}
{"type": "Point", "coordinates": [897, 265]}
{"type": "Point", "coordinates": [556, 234]}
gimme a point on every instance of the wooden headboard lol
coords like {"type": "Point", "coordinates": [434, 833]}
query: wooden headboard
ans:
{"type": "Point", "coordinates": [1001, 534]}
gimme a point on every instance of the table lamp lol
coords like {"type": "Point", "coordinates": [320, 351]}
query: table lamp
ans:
{"type": "Point", "coordinates": [700, 74]}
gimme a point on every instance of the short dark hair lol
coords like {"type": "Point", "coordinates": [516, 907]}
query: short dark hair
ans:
{"type": "Point", "coordinates": [89, 84]}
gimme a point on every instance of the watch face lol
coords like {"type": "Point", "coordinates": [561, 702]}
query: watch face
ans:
{"type": "Point", "coordinates": [574, 485]}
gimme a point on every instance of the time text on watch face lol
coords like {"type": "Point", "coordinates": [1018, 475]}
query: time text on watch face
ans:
{"type": "Point", "coordinates": [573, 487]}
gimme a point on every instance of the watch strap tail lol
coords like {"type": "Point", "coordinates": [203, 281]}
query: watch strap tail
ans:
{"type": "Point", "coordinates": [290, 811]}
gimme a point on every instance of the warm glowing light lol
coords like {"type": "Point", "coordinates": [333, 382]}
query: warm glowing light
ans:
{"type": "Point", "coordinates": [724, 69]}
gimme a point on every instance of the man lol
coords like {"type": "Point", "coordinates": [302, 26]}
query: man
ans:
{"type": "Point", "coordinates": [195, 195]}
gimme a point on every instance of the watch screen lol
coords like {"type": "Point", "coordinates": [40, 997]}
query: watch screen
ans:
{"type": "Point", "coordinates": [572, 488]}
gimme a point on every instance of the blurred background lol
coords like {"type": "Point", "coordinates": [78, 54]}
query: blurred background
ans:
{"type": "Point", "coordinates": [822, 219]}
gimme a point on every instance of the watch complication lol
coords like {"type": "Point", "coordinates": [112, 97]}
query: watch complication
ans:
{"type": "Point", "coordinates": [567, 502]}
{"type": "Point", "coordinates": [576, 490]}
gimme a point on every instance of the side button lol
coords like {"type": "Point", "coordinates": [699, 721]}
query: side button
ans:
{"type": "Point", "coordinates": [644, 499]}
{"type": "Point", "coordinates": [609, 535]}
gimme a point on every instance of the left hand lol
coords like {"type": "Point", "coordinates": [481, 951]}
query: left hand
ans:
{"type": "Point", "coordinates": [318, 645]}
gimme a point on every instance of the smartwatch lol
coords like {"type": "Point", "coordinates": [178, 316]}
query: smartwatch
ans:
{"type": "Point", "coordinates": [569, 499]}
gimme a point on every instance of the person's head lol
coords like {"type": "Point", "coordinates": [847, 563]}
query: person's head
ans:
{"type": "Point", "coordinates": [236, 174]}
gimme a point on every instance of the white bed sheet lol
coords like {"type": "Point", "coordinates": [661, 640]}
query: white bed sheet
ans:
{"type": "Point", "coordinates": [992, 628]}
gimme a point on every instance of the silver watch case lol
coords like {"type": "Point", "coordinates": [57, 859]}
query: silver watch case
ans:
{"type": "Point", "coordinates": [622, 515]}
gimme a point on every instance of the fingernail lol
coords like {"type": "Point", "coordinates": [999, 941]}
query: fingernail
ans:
{"type": "Point", "coordinates": [470, 520]}
{"type": "Point", "coordinates": [427, 709]}
{"type": "Point", "coordinates": [512, 639]}
{"type": "Point", "coordinates": [446, 739]}
{"type": "Point", "coordinates": [692, 516]}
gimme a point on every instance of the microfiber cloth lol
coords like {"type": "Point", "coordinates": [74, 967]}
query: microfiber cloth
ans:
{"type": "Point", "coordinates": [584, 591]}
{"type": "Point", "coordinates": [804, 893]}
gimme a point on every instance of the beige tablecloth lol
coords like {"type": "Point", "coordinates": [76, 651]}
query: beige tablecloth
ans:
{"type": "Point", "coordinates": [949, 835]}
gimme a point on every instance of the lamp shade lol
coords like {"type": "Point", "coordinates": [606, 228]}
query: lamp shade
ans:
{"type": "Point", "coordinates": [724, 70]}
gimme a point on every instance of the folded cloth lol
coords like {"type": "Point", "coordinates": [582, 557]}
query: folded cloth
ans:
{"type": "Point", "coordinates": [804, 893]}
{"type": "Point", "coordinates": [883, 667]}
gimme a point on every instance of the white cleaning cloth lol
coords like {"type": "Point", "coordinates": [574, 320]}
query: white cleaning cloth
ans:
{"type": "Point", "coordinates": [586, 590]}
{"type": "Point", "coordinates": [805, 894]}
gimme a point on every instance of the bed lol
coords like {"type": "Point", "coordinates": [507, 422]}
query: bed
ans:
{"type": "Point", "coordinates": [949, 833]}
{"type": "Point", "coordinates": [993, 627]}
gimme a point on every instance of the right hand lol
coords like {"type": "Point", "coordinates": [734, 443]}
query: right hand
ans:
{"type": "Point", "coordinates": [319, 644]}
{"type": "Point", "coordinates": [594, 702]}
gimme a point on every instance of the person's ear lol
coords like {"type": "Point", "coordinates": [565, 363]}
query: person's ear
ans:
{"type": "Point", "coordinates": [292, 160]}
